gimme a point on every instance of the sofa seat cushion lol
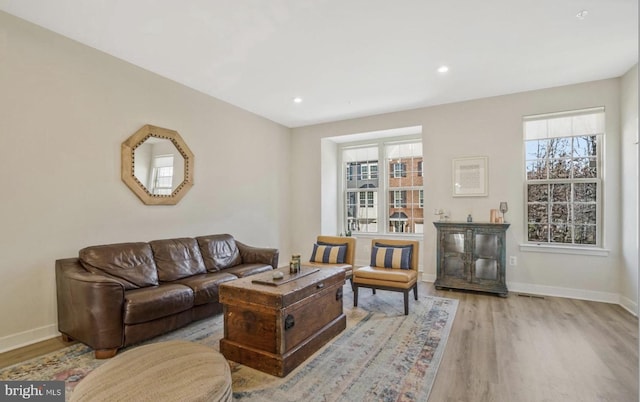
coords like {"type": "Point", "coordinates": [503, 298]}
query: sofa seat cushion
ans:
{"type": "Point", "coordinates": [243, 270]}
{"type": "Point", "coordinates": [205, 286]}
{"type": "Point", "coordinates": [219, 251]}
{"type": "Point", "coordinates": [392, 276]}
{"type": "Point", "coordinates": [177, 258]}
{"type": "Point", "coordinates": [131, 264]}
{"type": "Point", "coordinates": [147, 304]}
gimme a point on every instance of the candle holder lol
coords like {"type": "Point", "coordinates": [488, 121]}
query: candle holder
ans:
{"type": "Point", "coordinates": [504, 207]}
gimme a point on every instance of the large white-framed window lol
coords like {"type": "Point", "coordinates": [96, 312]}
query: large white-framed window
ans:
{"type": "Point", "coordinates": [563, 165]}
{"type": "Point", "coordinates": [387, 170]}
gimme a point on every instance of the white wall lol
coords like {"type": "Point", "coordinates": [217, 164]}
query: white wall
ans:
{"type": "Point", "coordinates": [65, 109]}
{"type": "Point", "coordinates": [491, 127]}
{"type": "Point", "coordinates": [629, 205]}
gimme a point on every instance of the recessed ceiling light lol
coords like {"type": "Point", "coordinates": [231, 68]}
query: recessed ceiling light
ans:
{"type": "Point", "coordinates": [297, 99]}
{"type": "Point", "coordinates": [582, 14]}
{"type": "Point", "coordinates": [443, 69]}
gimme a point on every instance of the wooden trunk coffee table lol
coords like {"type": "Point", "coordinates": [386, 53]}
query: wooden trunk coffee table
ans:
{"type": "Point", "coordinates": [273, 325]}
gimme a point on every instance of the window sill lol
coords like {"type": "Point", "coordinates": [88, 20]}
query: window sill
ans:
{"type": "Point", "coordinates": [545, 248]}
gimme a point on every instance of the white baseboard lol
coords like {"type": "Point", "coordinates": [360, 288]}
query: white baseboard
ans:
{"type": "Point", "coordinates": [629, 305]}
{"type": "Point", "coordinates": [427, 277]}
{"type": "Point", "coordinates": [580, 294]}
{"type": "Point", "coordinates": [570, 293]}
{"type": "Point", "coordinates": [554, 291]}
{"type": "Point", "coordinates": [25, 338]}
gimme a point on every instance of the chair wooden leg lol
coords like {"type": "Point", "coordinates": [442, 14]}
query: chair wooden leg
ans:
{"type": "Point", "coordinates": [415, 291]}
{"type": "Point", "coordinates": [374, 290]}
{"type": "Point", "coordinates": [406, 302]}
{"type": "Point", "coordinates": [351, 280]}
{"type": "Point", "coordinates": [355, 296]}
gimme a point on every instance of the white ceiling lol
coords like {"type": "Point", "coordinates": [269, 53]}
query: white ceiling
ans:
{"type": "Point", "coordinates": [352, 58]}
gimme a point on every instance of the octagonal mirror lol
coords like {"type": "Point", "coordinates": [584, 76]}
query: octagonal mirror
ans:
{"type": "Point", "coordinates": [157, 165]}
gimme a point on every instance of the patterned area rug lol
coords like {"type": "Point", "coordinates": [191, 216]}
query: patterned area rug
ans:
{"type": "Point", "coordinates": [383, 355]}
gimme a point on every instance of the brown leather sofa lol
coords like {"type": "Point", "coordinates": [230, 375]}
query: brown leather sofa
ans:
{"type": "Point", "coordinates": [116, 295]}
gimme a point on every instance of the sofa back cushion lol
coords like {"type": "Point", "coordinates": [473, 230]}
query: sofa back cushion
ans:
{"type": "Point", "coordinates": [131, 264]}
{"type": "Point", "coordinates": [219, 252]}
{"type": "Point", "coordinates": [177, 258]}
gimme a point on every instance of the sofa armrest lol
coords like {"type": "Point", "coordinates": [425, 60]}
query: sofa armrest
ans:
{"type": "Point", "coordinates": [90, 306]}
{"type": "Point", "coordinates": [253, 255]}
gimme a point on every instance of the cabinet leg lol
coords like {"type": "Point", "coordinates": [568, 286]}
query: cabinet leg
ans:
{"type": "Point", "coordinates": [66, 338]}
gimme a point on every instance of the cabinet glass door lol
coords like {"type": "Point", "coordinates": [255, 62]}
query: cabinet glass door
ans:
{"type": "Point", "coordinates": [454, 251]}
{"type": "Point", "coordinates": [486, 253]}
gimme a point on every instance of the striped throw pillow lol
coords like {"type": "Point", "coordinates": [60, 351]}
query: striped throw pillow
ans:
{"type": "Point", "coordinates": [391, 257]}
{"type": "Point", "coordinates": [328, 254]}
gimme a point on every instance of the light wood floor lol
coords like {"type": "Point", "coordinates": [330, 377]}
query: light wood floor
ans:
{"type": "Point", "coordinates": [28, 352]}
{"type": "Point", "coordinates": [533, 349]}
{"type": "Point", "coordinates": [518, 349]}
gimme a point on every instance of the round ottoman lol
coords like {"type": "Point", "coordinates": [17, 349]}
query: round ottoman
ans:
{"type": "Point", "coordinates": [165, 371]}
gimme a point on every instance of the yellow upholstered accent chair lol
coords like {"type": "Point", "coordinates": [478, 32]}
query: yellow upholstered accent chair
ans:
{"type": "Point", "coordinates": [349, 257]}
{"type": "Point", "coordinates": [394, 278]}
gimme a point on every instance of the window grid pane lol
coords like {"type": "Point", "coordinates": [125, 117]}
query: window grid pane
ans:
{"type": "Point", "coordinates": [405, 202]}
{"type": "Point", "coordinates": [562, 190]}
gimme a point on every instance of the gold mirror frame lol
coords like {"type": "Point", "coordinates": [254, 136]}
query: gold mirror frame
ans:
{"type": "Point", "coordinates": [128, 165]}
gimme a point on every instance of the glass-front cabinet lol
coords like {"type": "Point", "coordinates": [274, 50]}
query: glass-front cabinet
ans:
{"type": "Point", "coordinates": [472, 256]}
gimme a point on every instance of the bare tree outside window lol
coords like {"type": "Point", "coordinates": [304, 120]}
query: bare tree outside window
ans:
{"type": "Point", "coordinates": [562, 163]}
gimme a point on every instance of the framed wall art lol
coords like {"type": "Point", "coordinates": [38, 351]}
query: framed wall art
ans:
{"type": "Point", "coordinates": [470, 177]}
